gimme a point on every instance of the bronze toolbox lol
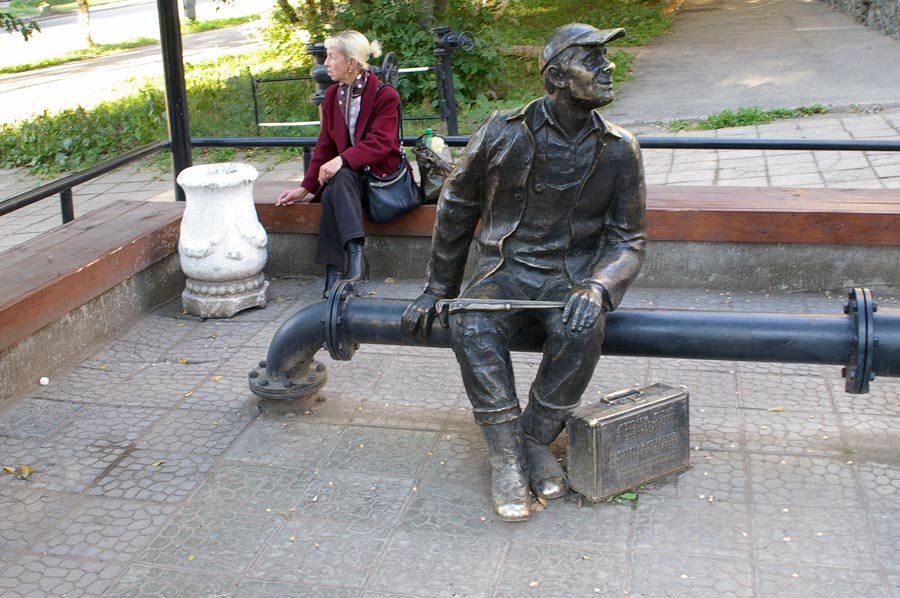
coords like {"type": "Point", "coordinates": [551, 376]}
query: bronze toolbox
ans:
{"type": "Point", "coordinates": [626, 439]}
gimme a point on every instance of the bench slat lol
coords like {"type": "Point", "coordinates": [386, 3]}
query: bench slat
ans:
{"type": "Point", "coordinates": [684, 213]}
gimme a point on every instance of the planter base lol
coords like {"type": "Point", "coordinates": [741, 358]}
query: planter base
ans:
{"type": "Point", "coordinates": [210, 299]}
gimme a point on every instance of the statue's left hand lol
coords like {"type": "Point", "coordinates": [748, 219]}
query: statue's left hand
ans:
{"type": "Point", "coordinates": [584, 307]}
{"type": "Point", "coordinates": [418, 316]}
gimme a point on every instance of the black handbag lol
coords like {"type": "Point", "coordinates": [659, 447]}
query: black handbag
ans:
{"type": "Point", "coordinates": [387, 198]}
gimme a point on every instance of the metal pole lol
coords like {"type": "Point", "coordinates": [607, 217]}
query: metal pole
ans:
{"type": "Point", "coordinates": [176, 94]}
{"type": "Point", "coordinates": [66, 205]}
{"type": "Point", "coordinates": [443, 50]}
{"type": "Point", "coordinates": [253, 88]}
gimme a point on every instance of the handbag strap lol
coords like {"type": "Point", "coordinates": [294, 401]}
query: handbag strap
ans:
{"type": "Point", "coordinates": [399, 113]}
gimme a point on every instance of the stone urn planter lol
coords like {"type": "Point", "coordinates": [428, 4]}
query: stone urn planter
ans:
{"type": "Point", "coordinates": [222, 244]}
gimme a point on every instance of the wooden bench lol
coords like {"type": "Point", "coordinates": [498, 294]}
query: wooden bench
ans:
{"type": "Point", "coordinates": [675, 213]}
{"type": "Point", "coordinates": [58, 271]}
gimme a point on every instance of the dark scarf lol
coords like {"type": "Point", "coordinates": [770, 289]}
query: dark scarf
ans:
{"type": "Point", "coordinates": [347, 92]}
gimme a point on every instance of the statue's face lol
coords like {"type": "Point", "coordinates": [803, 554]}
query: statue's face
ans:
{"type": "Point", "coordinates": [589, 76]}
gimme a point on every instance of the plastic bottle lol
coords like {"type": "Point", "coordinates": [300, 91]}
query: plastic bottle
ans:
{"type": "Point", "coordinates": [429, 135]}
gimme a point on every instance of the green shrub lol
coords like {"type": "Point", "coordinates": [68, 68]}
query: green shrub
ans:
{"type": "Point", "coordinates": [78, 138]}
{"type": "Point", "coordinates": [394, 23]}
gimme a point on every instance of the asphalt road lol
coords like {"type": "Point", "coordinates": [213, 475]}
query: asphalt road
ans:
{"type": "Point", "coordinates": [88, 82]}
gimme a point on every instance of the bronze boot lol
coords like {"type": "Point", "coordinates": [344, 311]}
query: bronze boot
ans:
{"type": "Point", "coordinates": [509, 484]}
{"type": "Point", "coordinates": [332, 275]}
{"type": "Point", "coordinates": [357, 262]}
{"type": "Point", "coordinates": [548, 480]}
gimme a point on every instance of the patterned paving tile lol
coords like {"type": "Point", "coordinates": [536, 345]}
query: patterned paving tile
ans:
{"type": "Point", "coordinates": [536, 569]}
{"type": "Point", "coordinates": [105, 530]}
{"type": "Point", "coordinates": [26, 513]}
{"type": "Point", "coordinates": [291, 444]}
{"type": "Point", "coordinates": [804, 581]}
{"type": "Point", "coordinates": [246, 488]}
{"type": "Point", "coordinates": [153, 476]}
{"type": "Point", "coordinates": [435, 565]}
{"type": "Point", "coordinates": [146, 580]}
{"type": "Point", "coordinates": [380, 450]}
{"type": "Point", "coordinates": [322, 553]}
{"type": "Point", "coordinates": [800, 480]}
{"type": "Point", "coordinates": [811, 535]}
{"type": "Point", "coordinates": [356, 497]}
{"type": "Point", "coordinates": [680, 575]}
{"type": "Point", "coordinates": [720, 474]}
{"type": "Point", "coordinates": [209, 541]}
{"type": "Point", "coordinates": [32, 575]}
{"type": "Point", "coordinates": [693, 527]}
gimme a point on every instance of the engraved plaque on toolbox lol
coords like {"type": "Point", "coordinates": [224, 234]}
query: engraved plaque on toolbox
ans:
{"type": "Point", "coordinates": [628, 438]}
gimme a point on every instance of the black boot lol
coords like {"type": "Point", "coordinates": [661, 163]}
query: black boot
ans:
{"type": "Point", "coordinates": [332, 275]}
{"type": "Point", "coordinates": [548, 480]}
{"type": "Point", "coordinates": [509, 484]}
{"type": "Point", "coordinates": [357, 262]}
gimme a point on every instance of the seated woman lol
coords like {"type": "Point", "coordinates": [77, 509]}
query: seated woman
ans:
{"type": "Point", "coordinates": [359, 129]}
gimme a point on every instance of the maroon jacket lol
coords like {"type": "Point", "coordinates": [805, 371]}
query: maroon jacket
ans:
{"type": "Point", "coordinates": [376, 146]}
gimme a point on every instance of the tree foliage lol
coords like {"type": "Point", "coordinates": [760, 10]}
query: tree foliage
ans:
{"type": "Point", "coordinates": [16, 25]}
{"type": "Point", "coordinates": [403, 27]}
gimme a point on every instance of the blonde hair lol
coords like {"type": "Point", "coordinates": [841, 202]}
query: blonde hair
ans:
{"type": "Point", "coordinates": [354, 44]}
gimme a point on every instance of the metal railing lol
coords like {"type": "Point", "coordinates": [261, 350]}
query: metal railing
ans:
{"type": "Point", "coordinates": [256, 81]}
{"type": "Point", "coordinates": [64, 185]}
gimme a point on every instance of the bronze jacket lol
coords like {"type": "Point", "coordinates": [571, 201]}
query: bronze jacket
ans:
{"type": "Point", "coordinates": [606, 222]}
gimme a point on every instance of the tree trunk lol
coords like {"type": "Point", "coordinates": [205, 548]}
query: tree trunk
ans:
{"type": "Point", "coordinates": [84, 19]}
{"type": "Point", "coordinates": [426, 17]}
{"type": "Point", "coordinates": [288, 11]}
{"type": "Point", "coordinates": [440, 8]}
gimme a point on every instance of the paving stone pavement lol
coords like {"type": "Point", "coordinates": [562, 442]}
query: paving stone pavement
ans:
{"type": "Point", "coordinates": [154, 477]}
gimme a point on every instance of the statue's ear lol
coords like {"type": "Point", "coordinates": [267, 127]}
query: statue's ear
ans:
{"type": "Point", "coordinates": [556, 76]}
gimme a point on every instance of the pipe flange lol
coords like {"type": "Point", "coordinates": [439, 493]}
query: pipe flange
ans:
{"type": "Point", "coordinates": [861, 309]}
{"type": "Point", "coordinates": [336, 341]}
{"type": "Point", "coordinates": [286, 390]}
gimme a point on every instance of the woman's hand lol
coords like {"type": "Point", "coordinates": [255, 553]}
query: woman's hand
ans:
{"type": "Point", "coordinates": [291, 196]}
{"type": "Point", "coordinates": [328, 169]}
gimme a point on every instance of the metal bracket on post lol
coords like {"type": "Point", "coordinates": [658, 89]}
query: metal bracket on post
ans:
{"type": "Point", "coordinates": [389, 71]}
{"type": "Point", "coordinates": [446, 41]}
{"type": "Point", "coordinates": [861, 309]}
{"type": "Point", "coordinates": [336, 341]}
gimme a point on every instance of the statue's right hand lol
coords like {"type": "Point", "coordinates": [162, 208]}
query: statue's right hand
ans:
{"type": "Point", "coordinates": [419, 315]}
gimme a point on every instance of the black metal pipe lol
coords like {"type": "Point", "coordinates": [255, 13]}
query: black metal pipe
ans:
{"type": "Point", "coordinates": [67, 205]}
{"type": "Point", "coordinates": [694, 334]}
{"type": "Point", "coordinates": [297, 340]}
{"type": "Point", "coordinates": [176, 93]}
{"type": "Point", "coordinates": [289, 370]}
{"type": "Point", "coordinates": [347, 322]}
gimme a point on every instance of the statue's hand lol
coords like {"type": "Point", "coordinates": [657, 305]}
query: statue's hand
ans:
{"type": "Point", "coordinates": [419, 315]}
{"type": "Point", "coordinates": [584, 307]}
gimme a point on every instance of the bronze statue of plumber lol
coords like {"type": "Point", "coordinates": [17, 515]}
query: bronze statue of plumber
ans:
{"type": "Point", "coordinates": [559, 193]}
